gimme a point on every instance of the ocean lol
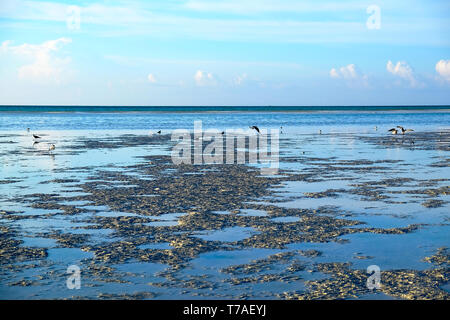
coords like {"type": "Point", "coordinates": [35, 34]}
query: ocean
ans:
{"type": "Point", "coordinates": [142, 118]}
{"type": "Point", "coordinates": [110, 202]}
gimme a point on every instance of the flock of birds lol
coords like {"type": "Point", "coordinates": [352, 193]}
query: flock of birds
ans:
{"type": "Point", "coordinates": [251, 127]}
{"type": "Point", "coordinates": [37, 139]}
{"type": "Point", "coordinates": [399, 129]}
{"type": "Point", "coordinates": [394, 131]}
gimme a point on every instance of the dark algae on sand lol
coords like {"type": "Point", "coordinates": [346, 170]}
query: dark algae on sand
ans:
{"type": "Point", "coordinates": [209, 199]}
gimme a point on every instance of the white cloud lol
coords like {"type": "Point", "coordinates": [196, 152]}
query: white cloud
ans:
{"type": "Point", "coordinates": [203, 78]}
{"type": "Point", "coordinates": [347, 72]}
{"type": "Point", "coordinates": [443, 69]}
{"type": "Point", "coordinates": [151, 78]}
{"type": "Point", "coordinates": [5, 45]}
{"type": "Point", "coordinates": [45, 65]}
{"type": "Point", "coordinates": [256, 20]}
{"type": "Point", "coordinates": [403, 71]}
{"type": "Point", "coordinates": [334, 73]}
{"type": "Point", "coordinates": [350, 74]}
{"type": "Point", "coordinates": [258, 6]}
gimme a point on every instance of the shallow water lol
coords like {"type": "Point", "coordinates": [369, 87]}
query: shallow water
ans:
{"type": "Point", "coordinates": [29, 170]}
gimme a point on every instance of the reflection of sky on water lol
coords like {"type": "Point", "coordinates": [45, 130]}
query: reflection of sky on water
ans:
{"type": "Point", "coordinates": [32, 167]}
{"type": "Point", "coordinates": [227, 235]}
{"type": "Point", "coordinates": [397, 251]}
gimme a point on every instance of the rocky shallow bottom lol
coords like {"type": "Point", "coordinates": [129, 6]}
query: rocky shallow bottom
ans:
{"type": "Point", "coordinates": [171, 215]}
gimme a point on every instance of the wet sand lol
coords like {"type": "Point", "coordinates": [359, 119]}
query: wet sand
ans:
{"type": "Point", "coordinates": [141, 227]}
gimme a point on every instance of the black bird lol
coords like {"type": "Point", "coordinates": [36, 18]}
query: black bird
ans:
{"type": "Point", "coordinates": [35, 136]}
{"type": "Point", "coordinates": [159, 132]}
{"type": "Point", "coordinates": [256, 128]}
{"type": "Point", "coordinates": [404, 130]}
{"type": "Point", "coordinates": [222, 133]}
{"type": "Point", "coordinates": [393, 131]}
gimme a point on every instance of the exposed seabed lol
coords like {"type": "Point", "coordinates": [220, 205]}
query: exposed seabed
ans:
{"type": "Point", "coordinates": [141, 227]}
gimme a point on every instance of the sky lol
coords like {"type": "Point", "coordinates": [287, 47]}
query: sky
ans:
{"type": "Point", "coordinates": [225, 52]}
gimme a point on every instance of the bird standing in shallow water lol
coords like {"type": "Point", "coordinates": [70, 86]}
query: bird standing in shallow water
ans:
{"type": "Point", "coordinates": [52, 147]}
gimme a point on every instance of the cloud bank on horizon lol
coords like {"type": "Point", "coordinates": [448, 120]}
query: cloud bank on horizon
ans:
{"type": "Point", "coordinates": [225, 52]}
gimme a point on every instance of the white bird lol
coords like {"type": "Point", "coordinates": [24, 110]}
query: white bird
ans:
{"type": "Point", "coordinates": [51, 147]}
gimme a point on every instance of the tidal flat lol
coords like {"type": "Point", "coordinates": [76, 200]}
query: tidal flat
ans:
{"type": "Point", "coordinates": [141, 227]}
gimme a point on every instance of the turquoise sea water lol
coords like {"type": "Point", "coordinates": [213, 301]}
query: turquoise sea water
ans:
{"type": "Point", "coordinates": [13, 108]}
{"type": "Point", "coordinates": [169, 118]}
{"type": "Point", "coordinates": [33, 170]}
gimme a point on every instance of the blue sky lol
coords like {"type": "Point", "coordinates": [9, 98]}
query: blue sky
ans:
{"type": "Point", "coordinates": [225, 52]}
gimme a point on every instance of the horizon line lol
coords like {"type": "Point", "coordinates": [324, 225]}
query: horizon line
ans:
{"type": "Point", "coordinates": [49, 109]}
{"type": "Point", "coordinates": [230, 106]}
